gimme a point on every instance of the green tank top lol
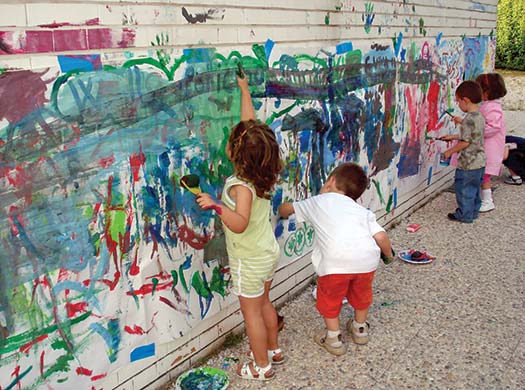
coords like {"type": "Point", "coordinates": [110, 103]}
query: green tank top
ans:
{"type": "Point", "coordinates": [258, 241]}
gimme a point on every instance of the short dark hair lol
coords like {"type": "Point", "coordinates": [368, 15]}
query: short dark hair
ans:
{"type": "Point", "coordinates": [492, 84]}
{"type": "Point", "coordinates": [469, 89]}
{"type": "Point", "coordinates": [351, 179]}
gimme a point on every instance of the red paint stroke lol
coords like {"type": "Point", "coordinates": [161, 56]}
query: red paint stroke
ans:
{"type": "Point", "coordinates": [135, 269]}
{"type": "Point", "coordinates": [168, 302]}
{"type": "Point", "coordinates": [84, 371]}
{"type": "Point", "coordinates": [26, 347]}
{"type": "Point", "coordinates": [112, 283]}
{"type": "Point", "coordinates": [188, 236]}
{"type": "Point", "coordinates": [98, 377]}
{"type": "Point", "coordinates": [74, 308]}
{"type": "Point", "coordinates": [215, 208]}
{"type": "Point", "coordinates": [135, 330]}
{"type": "Point", "coordinates": [148, 289]}
{"type": "Point", "coordinates": [42, 363]}
{"type": "Point", "coordinates": [136, 160]}
{"type": "Point", "coordinates": [106, 162]}
{"type": "Point", "coordinates": [75, 140]}
{"type": "Point", "coordinates": [16, 374]}
{"type": "Point", "coordinates": [433, 100]}
{"type": "Point", "coordinates": [63, 274]}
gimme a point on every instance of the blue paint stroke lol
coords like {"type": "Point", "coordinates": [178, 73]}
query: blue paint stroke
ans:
{"type": "Point", "coordinates": [279, 228]}
{"type": "Point", "coordinates": [344, 47]}
{"type": "Point", "coordinates": [394, 194]}
{"type": "Point", "coordinates": [268, 47]}
{"type": "Point", "coordinates": [111, 336]}
{"type": "Point", "coordinates": [398, 43]}
{"type": "Point", "coordinates": [86, 63]}
{"type": "Point", "coordinates": [429, 176]}
{"type": "Point", "coordinates": [438, 39]}
{"type": "Point", "coordinates": [142, 352]}
{"type": "Point", "coordinates": [277, 199]}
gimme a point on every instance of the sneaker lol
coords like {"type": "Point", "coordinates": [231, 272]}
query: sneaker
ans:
{"type": "Point", "coordinates": [516, 180]}
{"type": "Point", "coordinates": [452, 217]}
{"type": "Point", "coordinates": [486, 205]}
{"type": "Point", "coordinates": [327, 343]}
{"type": "Point", "coordinates": [359, 335]}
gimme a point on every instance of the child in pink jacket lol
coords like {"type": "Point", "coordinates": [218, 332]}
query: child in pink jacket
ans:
{"type": "Point", "coordinates": [493, 88]}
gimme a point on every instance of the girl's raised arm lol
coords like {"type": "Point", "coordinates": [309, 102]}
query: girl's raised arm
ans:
{"type": "Point", "coordinates": [247, 110]}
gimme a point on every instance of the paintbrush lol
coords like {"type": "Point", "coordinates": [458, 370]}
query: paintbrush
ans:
{"type": "Point", "coordinates": [240, 71]}
{"type": "Point", "coordinates": [191, 183]}
{"type": "Point", "coordinates": [449, 112]}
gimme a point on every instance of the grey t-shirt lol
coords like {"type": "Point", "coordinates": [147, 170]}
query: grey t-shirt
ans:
{"type": "Point", "coordinates": [472, 129]}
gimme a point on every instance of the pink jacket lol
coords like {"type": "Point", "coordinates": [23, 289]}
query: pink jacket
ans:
{"type": "Point", "coordinates": [494, 135]}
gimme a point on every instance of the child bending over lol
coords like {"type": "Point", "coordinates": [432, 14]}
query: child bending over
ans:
{"type": "Point", "coordinates": [252, 249]}
{"type": "Point", "coordinates": [347, 247]}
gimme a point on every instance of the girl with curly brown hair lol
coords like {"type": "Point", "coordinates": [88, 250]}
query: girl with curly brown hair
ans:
{"type": "Point", "coordinates": [253, 251]}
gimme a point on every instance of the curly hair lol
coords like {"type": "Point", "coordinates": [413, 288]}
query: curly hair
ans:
{"type": "Point", "coordinates": [254, 152]}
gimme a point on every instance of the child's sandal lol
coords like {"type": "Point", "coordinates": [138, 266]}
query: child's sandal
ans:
{"type": "Point", "coordinates": [274, 356]}
{"type": "Point", "coordinates": [244, 371]}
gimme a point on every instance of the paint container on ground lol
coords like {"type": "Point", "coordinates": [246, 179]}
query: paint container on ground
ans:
{"type": "Point", "coordinates": [413, 227]}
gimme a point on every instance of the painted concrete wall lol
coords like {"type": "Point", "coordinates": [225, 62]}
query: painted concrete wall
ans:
{"type": "Point", "coordinates": [111, 276]}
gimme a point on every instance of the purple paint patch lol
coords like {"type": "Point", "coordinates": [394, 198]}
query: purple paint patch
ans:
{"type": "Point", "coordinates": [21, 93]}
{"type": "Point", "coordinates": [39, 42]}
{"type": "Point", "coordinates": [66, 40]}
{"type": "Point", "coordinates": [127, 39]}
{"type": "Point", "coordinates": [100, 38]}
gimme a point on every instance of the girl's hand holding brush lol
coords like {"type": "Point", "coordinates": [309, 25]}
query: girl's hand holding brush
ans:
{"type": "Point", "coordinates": [207, 202]}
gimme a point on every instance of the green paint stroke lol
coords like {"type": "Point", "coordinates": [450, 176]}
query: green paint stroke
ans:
{"type": "Point", "coordinates": [15, 342]}
{"type": "Point", "coordinates": [378, 190]}
{"type": "Point", "coordinates": [327, 18]}
{"type": "Point", "coordinates": [155, 282]}
{"type": "Point", "coordinates": [218, 284]}
{"type": "Point", "coordinates": [422, 29]}
{"type": "Point", "coordinates": [389, 203]}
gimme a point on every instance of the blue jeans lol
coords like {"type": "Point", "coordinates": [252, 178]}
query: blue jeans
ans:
{"type": "Point", "coordinates": [467, 185]}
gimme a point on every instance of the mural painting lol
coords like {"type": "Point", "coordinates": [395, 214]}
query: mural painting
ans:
{"type": "Point", "coordinates": [104, 255]}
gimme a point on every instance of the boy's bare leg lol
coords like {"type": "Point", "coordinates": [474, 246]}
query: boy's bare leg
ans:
{"type": "Point", "coordinates": [332, 324]}
{"type": "Point", "coordinates": [360, 315]}
{"type": "Point", "coordinates": [255, 328]}
{"type": "Point", "coordinates": [270, 318]}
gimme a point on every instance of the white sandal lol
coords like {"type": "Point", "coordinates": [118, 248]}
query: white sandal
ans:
{"type": "Point", "coordinates": [261, 373]}
{"type": "Point", "coordinates": [272, 356]}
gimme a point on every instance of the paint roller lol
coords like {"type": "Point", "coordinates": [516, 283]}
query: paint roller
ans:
{"type": "Point", "coordinates": [191, 183]}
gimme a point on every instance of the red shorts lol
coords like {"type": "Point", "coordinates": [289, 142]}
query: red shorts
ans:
{"type": "Point", "coordinates": [331, 289]}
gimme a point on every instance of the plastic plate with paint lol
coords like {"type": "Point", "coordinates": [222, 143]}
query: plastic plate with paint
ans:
{"type": "Point", "coordinates": [203, 378]}
{"type": "Point", "coordinates": [416, 257]}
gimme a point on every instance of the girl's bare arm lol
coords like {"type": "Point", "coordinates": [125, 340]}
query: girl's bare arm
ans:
{"type": "Point", "coordinates": [247, 110]}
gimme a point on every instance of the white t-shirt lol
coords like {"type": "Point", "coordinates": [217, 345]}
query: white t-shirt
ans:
{"type": "Point", "coordinates": [344, 231]}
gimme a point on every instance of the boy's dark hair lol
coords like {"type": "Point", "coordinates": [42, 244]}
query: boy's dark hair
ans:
{"type": "Point", "coordinates": [351, 179]}
{"type": "Point", "coordinates": [254, 152]}
{"type": "Point", "coordinates": [492, 84]}
{"type": "Point", "coordinates": [469, 89]}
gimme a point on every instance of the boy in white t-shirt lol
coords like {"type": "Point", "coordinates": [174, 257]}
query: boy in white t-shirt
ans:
{"type": "Point", "coordinates": [347, 247]}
